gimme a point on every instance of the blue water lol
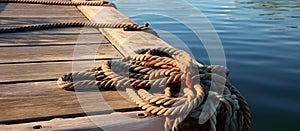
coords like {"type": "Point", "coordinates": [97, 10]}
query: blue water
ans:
{"type": "Point", "coordinates": [260, 39]}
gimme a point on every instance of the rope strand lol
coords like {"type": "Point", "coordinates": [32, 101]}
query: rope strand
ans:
{"type": "Point", "coordinates": [177, 77]}
{"type": "Point", "coordinates": [125, 26]}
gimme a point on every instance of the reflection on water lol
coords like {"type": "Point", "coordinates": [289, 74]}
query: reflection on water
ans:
{"type": "Point", "coordinates": [274, 10]}
{"type": "Point", "coordinates": [261, 42]}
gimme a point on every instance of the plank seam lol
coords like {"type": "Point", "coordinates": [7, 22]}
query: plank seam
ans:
{"type": "Point", "coordinates": [54, 45]}
{"type": "Point", "coordinates": [53, 61]}
{"type": "Point", "coordinates": [75, 115]}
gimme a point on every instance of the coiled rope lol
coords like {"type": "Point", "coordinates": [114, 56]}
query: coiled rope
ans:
{"type": "Point", "coordinates": [185, 85]}
{"type": "Point", "coordinates": [125, 26]}
{"type": "Point", "coordinates": [64, 3]}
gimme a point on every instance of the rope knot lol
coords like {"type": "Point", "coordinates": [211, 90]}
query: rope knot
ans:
{"type": "Point", "coordinates": [168, 69]}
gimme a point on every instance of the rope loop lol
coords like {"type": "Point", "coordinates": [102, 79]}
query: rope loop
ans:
{"type": "Point", "coordinates": [168, 82]}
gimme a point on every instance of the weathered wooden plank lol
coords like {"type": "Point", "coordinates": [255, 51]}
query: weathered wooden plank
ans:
{"type": "Point", "coordinates": [23, 6]}
{"type": "Point", "coordinates": [12, 39]}
{"type": "Point", "coordinates": [5, 21]}
{"type": "Point", "coordinates": [16, 22]}
{"type": "Point", "coordinates": [43, 13]}
{"type": "Point", "coordinates": [43, 100]}
{"type": "Point", "coordinates": [39, 17]}
{"type": "Point", "coordinates": [13, 22]}
{"type": "Point", "coordinates": [56, 53]}
{"type": "Point", "coordinates": [56, 31]}
{"type": "Point", "coordinates": [125, 41]}
{"type": "Point", "coordinates": [17, 10]}
{"type": "Point", "coordinates": [23, 100]}
{"type": "Point", "coordinates": [38, 71]}
{"type": "Point", "coordinates": [116, 121]}
{"type": "Point", "coordinates": [36, 10]}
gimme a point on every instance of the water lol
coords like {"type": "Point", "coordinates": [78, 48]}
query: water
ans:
{"type": "Point", "coordinates": [260, 39]}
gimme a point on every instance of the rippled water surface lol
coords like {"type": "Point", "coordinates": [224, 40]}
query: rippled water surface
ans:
{"type": "Point", "coordinates": [261, 41]}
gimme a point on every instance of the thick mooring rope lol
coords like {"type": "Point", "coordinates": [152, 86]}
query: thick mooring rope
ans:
{"type": "Point", "coordinates": [184, 83]}
{"type": "Point", "coordinates": [64, 3]}
{"type": "Point", "coordinates": [125, 26]}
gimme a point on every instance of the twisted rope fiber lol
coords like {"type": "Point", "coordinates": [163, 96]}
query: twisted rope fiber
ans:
{"type": "Point", "coordinates": [184, 83]}
{"type": "Point", "coordinates": [127, 26]}
{"type": "Point", "coordinates": [244, 108]}
{"type": "Point", "coordinates": [64, 3]}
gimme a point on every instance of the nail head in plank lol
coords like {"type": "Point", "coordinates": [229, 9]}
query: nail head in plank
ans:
{"type": "Point", "coordinates": [116, 121]}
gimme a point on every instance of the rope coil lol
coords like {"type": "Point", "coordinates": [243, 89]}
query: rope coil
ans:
{"type": "Point", "coordinates": [184, 86]}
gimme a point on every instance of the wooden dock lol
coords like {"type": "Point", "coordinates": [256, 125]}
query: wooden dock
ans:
{"type": "Point", "coordinates": [32, 61]}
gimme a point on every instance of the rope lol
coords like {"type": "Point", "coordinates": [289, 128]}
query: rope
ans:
{"type": "Point", "coordinates": [184, 83]}
{"type": "Point", "coordinates": [244, 108]}
{"type": "Point", "coordinates": [64, 3]}
{"type": "Point", "coordinates": [125, 26]}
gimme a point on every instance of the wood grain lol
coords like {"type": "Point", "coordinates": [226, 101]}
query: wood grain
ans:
{"type": "Point", "coordinates": [34, 100]}
{"type": "Point", "coordinates": [125, 41]}
{"type": "Point", "coordinates": [57, 53]}
{"type": "Point", "coordinates": [23, 100]}
{"type": "Point", "coordinates": [39, 39]}
{"type": "Point", "coordinates": [32, 61]}
{"type": "Point", "coordinates": [116, 121]}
